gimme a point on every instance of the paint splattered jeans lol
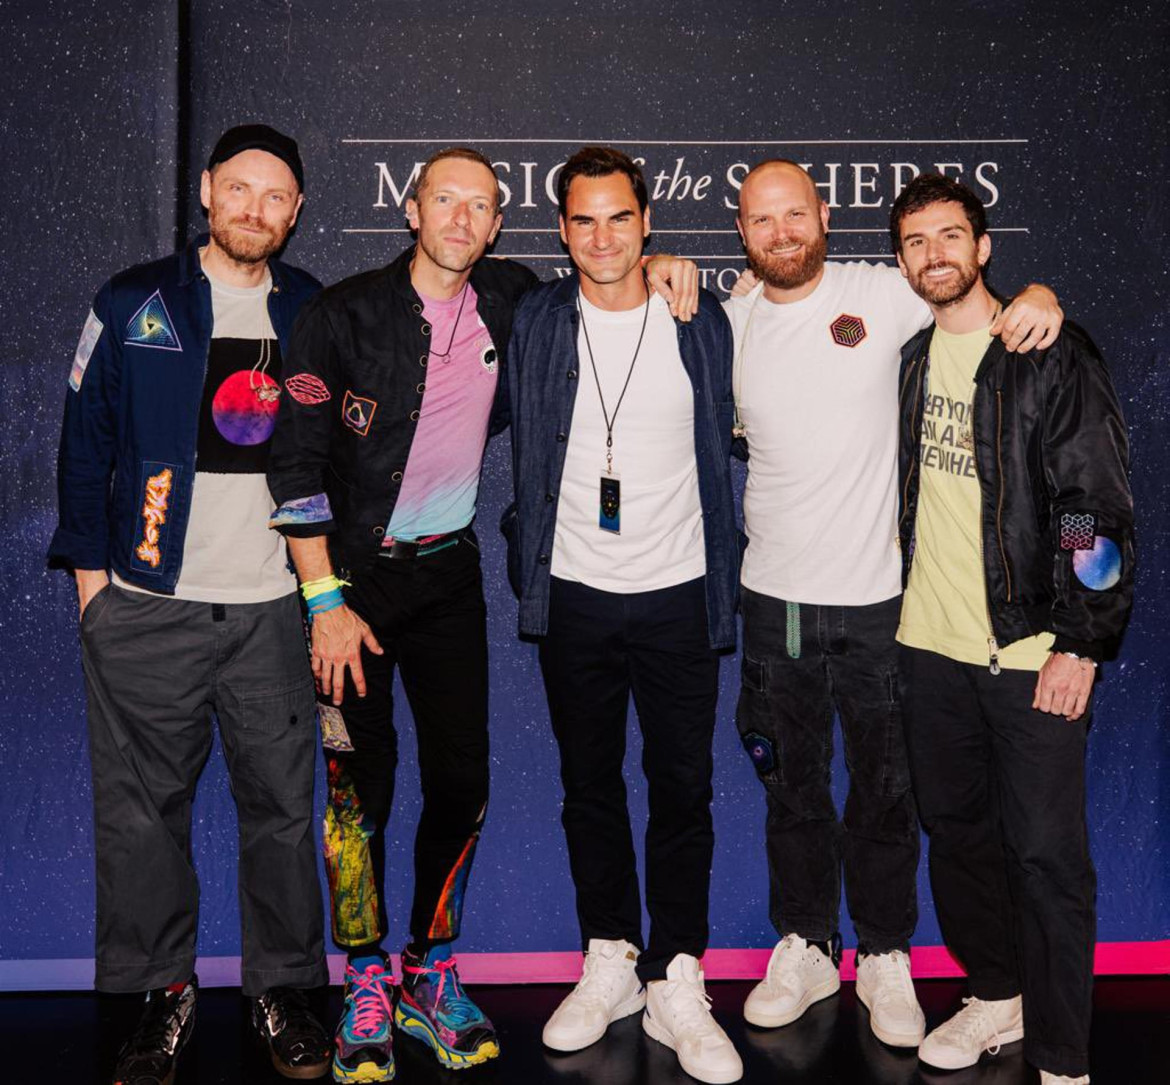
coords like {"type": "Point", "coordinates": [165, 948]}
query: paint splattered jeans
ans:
{"type": "Point", "coordinates": [802, 663]}
{"type": "Point", "coordinates": [428, 614]}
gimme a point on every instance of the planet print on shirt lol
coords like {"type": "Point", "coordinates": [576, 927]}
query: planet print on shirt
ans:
{"type": "Point", "coordinates": [244, 407]}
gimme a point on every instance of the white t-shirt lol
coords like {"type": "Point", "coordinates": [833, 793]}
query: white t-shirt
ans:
{"type": "Point", "coordinates": [661, 539]}
{"type": "Point", "coordinates": [229, 553]}
{"type": "Point", "coordinates": [816, 386]}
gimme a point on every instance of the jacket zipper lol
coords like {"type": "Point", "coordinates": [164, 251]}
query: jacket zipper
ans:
{"type": "Point", "coordinates": [913, 466]}
{"type": "Point", "coordinates": [992, 643]}
{"type": "Point", "coordinates": [1007, 572]}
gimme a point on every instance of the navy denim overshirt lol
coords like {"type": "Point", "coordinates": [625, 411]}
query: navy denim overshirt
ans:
{"type": "Point", "coordinates": [126, 466]}
{"type": "Point", "coordinates": [542, 386]}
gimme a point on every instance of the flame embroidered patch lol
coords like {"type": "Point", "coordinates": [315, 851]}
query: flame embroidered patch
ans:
{"type": "Point", "coordinates": [154, 515]}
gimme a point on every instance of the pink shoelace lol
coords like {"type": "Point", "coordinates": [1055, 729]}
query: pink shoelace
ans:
{"type": "Point", "coordinates": [444, 968]}
{"type": "Point", "coordinates": [369, 1011]}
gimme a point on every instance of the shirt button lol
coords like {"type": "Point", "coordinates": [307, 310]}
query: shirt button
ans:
{"type": "Point", "coordinates": [543, 559]}
{"type": "Point", "coordinates": [396, 477]}
{"type": "Point", "coordinates": [560, 437]}
{"type": "Point", "coordinates": [572, 374]}
{"type": "Point", "coordinates": [423, 361]}
{"type": "Point", "coordinates": [426, 329]}
{"type": "Point", "coordinates": [379, 530]}
{"type": "Point", "coordinates": [416, 307]}
{"type": "Point", "coordinates": [414, 416]}
{"type": "Point", "coordinates": [420, 388]}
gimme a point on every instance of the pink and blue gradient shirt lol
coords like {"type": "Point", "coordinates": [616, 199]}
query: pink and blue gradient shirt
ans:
{"type": "Point", "coordinates": [441, 481]}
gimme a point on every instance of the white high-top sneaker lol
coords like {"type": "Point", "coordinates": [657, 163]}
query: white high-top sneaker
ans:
{"type": "Point", "coordinates": [609, 989]}
{"type": "Point", "coordinates": [678, 1014]}
{"type": "Point", "coordinates": [885, 989]}
{"type": "Point", "coordinates": [798, 975]}
{"type": "Point", "coordinates": [1059, 1079]}
{"type": "Point", "coordinates": [979, 1026]}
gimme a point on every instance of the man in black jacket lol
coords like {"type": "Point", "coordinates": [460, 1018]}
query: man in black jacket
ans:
{"type": "Point", "coordinates": [1016, 534]}
{"type": "Point", "coordinates": [376, 485]}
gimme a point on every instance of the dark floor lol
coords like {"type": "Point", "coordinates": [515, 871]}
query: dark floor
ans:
{"type": "Point", "coordinates": [73, 1039]}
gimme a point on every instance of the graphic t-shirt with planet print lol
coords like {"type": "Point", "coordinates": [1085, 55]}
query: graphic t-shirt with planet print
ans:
{"type": "Point", "coordinates": [229, 554]}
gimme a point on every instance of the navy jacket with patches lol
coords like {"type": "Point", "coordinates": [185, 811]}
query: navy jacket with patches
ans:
{"type": "Point", "coordinates": [543, 380]}
{"type": "Point", "coordinates": [1051, 455]}
{"type": "Point", "coordinates": [360, 352]}
{"type": "Point", "coordinates": [126, 466]}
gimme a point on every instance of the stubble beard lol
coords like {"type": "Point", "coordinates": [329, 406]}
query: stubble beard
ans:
{"type": "Point", "coordinates": [788, 273]}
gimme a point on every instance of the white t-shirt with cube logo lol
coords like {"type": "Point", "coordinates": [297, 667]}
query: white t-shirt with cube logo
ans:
{"type": "Point", "coordinates": [816, 386]}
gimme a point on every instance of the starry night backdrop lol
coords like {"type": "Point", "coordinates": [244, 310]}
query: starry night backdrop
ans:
{"type": "Point", "coordinates": [1056, 115]}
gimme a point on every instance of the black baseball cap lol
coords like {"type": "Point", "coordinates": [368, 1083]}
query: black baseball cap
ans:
{"type": "Point", "coordinates": [259, 137]}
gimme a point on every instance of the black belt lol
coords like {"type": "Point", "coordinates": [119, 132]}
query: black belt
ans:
{"type": "Point", "coordinates": [420, 548]}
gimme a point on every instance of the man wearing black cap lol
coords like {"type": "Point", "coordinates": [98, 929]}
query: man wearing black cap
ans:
{"type": "Point", "coordinates": [189, 611]}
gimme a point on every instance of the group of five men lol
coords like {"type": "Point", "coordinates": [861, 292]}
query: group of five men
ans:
{"type": "Point", "coordinates": [991, 486]}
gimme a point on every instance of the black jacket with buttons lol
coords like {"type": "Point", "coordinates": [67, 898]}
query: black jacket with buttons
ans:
{"type": "Point", "coordinates": [355, 375]}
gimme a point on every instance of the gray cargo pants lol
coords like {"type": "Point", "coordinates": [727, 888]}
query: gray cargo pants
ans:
{"type": "Point", "coordinates": [157, 669]}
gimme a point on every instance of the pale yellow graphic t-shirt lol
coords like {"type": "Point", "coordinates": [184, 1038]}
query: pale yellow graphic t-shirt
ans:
{"type": "Point", "coordinates": [945, 607]}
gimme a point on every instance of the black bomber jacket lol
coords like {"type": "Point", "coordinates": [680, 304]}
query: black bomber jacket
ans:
{"type": "Point", "coordinates": [1051, 455]}
{"type": "Point", "coordinates": [355, 378]}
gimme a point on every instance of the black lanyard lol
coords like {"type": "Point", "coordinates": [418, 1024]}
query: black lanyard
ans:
{"type": "Point", "coordinates": [609, 422]}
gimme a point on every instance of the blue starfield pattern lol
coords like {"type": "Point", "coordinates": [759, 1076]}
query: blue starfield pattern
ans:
{"type": "Point", "coordinates": [152, 326]}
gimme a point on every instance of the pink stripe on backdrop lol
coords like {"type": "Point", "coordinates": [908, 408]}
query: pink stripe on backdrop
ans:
{"type": "Point", "coordinates": [929, 962]}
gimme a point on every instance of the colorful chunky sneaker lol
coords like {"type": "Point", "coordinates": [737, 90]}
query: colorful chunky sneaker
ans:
{"type": "Point", "coordinates": [434, 1008]}
{"type": "Point", "coordinates": [149, 1057]}
{"type": "Point", "coordinates": [363, 1039]}
{"type": "Point", "coordinates": [298, 1045]}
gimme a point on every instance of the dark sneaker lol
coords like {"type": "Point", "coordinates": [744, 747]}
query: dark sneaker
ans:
{"type": "Point", "coordinates": [299, 1046]}
{"type": "Point", "coordinates": [363, 1039]}
{"type": "Point", "coordinates": [150, 1055]}
{"type": "Point", "coordinates": [434, 1008]}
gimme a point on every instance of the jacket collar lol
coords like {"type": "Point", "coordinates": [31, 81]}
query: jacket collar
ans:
{"type": "Point", "coordinates": [191, 269]}
{"type": "Point", "coordinates": [918, 347]}
{"type": "Point", "coordinates": [482, 280]}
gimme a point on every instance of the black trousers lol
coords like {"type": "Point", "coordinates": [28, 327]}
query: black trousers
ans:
{"type": "Point", "coordinates": [600, 648]}
{"type": "Point", "coordinates": [1001, 793]}
{"type": "Point", "coordinates": [800, 663]}
{"type": "Point", "coordinates": [157, 671]}
{"type": "Point", "coordinates": [428, 615]}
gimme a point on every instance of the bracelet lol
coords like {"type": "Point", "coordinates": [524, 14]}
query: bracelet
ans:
{"type": "Point", "coordinates": [1081, 659]}
{"type": "Point", "coordinates": [310, 589]}
{"type": "Point", "coordinates": [326, 600]}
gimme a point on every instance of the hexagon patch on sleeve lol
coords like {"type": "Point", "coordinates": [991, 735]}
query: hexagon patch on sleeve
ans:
{"type": "Point", "coordinates": [847, 331]}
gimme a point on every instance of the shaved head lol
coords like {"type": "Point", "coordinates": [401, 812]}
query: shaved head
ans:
{"type": "Point", "coordinates": [783, 222]}
{"type": "Point", "coordinates": [769, 168]}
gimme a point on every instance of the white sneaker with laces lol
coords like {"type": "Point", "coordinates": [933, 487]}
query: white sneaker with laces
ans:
{"type": "Point", "coordinates": [798, 975]}
{"type": "Point", "coordinates": [1059, 1079]}
{"type": "Point", "coordinates": [609, 989]}
{"type": "Point", "coordinates": [678, 1014]}
{"type": "Point", "coordinates": [979, 1026]}
{"type": "Point", "coordinates": [885, 989]}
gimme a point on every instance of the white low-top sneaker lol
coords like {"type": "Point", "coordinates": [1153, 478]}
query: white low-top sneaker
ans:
{"type": "Point", "coordinates": [678, 1014]}
{"type": "Point", "coordinates": [798, 975]}
{"type": "Point", "coordinates": [609, 989]}
{"type": "Point", "coordinates": [1059, 1079]}
{"type": "Point", "coordinates": [979, 1026]}
{"type": "Point", "coordinates": [885, 989]}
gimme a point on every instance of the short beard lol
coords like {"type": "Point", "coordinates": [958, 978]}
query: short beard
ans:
{"type": "Point", "coordinates": [948, 293]}
{"type": "Point", "coordinates": [245, 249]}
{"type": "Point", "coordinates": [788, 274]}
